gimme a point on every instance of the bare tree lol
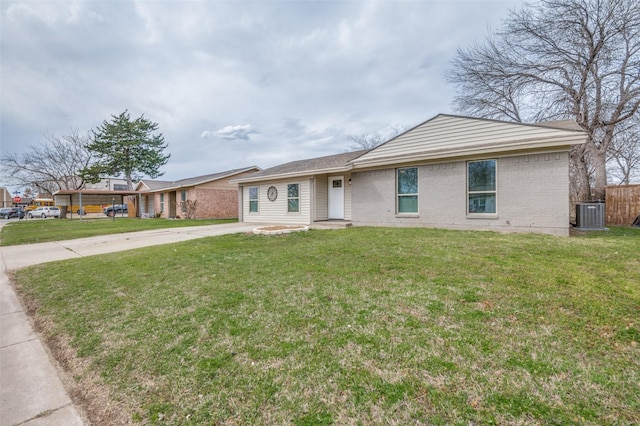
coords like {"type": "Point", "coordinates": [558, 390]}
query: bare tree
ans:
{"type": "Point", "coordinates": [559, 59]}
{"type": "Point", "coordinates": [53, 165]}
{"type": "Point", "coordinates": [372, 140]}
{"type": "Point", "coordinates": [624, 154]}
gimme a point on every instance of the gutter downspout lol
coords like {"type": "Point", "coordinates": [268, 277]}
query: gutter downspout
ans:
{"type": "Point", "coordinates": [240, 203]}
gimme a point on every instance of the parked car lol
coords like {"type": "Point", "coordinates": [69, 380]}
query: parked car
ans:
{"type": "Point", "coordinates": [117, 209]}
{"type": "Point", "coordinates": [45, 211]}
{"type": "Point", "coordinates": [9, 212]}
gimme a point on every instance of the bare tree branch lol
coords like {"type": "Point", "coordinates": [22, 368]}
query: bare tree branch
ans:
{"type": "Point", "coordinates": [571, 59]}
{"type": "Point", "coordinates": [372, 140]}
{"type": "Point", "coordinates": [53, 165]}
{"type": "Point", "coordinates": [624, 154]}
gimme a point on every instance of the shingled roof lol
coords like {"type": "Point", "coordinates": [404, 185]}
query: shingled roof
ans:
{"type": "Point", "coordinates": [155, 184]}
{"type": "Point", "coordinates": [159, 185]}
{"type": "Point", "coordinates": [311, 166]}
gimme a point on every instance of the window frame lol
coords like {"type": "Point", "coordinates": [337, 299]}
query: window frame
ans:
{"type": "Point", "coordinates": [255, 200]}
{"type": "Point", "coordinates": [161, 202]}
{"type": "Point", "coordinates": [183, 201]}
{"type": "Point", "coordinates": [407, 195]}
{"type": "Point", "coordinates": [493, 191]}
{"type": "Point", "coordinates": [289, 199]}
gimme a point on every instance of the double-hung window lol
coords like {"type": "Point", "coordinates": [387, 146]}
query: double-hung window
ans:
{"type": "Point", "coordinates": [161, 202]}
{"type": "Point", "coordinates": [407, 190]}
{"type": "Point", "coordinates": [293, 198]}
{"type": "Point", "coordinates": [183, 198]}
{"type": "Point", "coordinates": [253, 199]}
{"type": "Point", "coordinates": [481, 187]}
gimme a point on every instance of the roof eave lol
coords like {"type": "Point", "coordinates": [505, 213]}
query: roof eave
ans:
{"type": "Point", "coordinates": [302, 173]}
{"type": "Point", "coordinates": [94, 192]}
{"type": "Point", "coordinates": [176, 187]}
{"type": "Point", "coordinates": [507, 149]}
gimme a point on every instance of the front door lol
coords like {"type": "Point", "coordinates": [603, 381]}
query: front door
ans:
{"type": "Point", "coordinates": [336, 197]}
{"type": "Point", "coordinates": [172, 205]}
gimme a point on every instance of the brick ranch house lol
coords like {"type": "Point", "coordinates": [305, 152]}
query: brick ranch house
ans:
{"type": "Point", "coordinates": [448, 172]}
{"type": "Point", "coordinates": [214, 196]}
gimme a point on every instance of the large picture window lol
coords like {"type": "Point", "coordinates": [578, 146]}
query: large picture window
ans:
{"type": "Point", "coordinates": [253, 199]}
{"type": "Point", "coordinates": [293, 198]}
{"type": "Point", "coordinates": [481, 186]}
{"type": "Point", "coordinates": [407, 190]}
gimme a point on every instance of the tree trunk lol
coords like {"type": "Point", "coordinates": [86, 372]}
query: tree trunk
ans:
{"type": "Point", "coordinates": [127, 177]}
{"type": "Point", "coordinates": [579, 175]}
{"type": "Point", "coordinates": [600, 170]}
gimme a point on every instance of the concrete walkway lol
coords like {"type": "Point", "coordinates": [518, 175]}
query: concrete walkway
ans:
{"type": "Point", "coordinates": [31, 392]}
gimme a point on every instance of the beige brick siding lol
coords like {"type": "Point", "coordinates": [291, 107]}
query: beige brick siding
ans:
{"type": "Point", "coordinates": [532, 196]}
{"type": "Point", "coordinates": [214, 200]}
{"type": "Point", "coordinates": [216, 203]}
{"type": "Point", "coordinates": [211, 203]}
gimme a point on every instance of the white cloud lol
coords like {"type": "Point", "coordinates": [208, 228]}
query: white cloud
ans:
{"type": "Point", "coordinates": [239, 132]}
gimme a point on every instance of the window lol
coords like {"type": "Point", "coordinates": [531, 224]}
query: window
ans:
{"type": "Point", "coordinates": [293, 198]}
{"type": "Point", "coordinates": [253, 199]}
{"type": "Point", "coordinates": [407, 190]}
{"type": "Point", "coordinates": [481, 186]}
{"type": "Point", "coordinates": [161, 202]}
{"type": "Point", "coordinates": [183, 198]}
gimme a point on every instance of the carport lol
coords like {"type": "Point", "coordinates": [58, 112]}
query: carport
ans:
{"type": "Point", "coordinates": [66, 198]}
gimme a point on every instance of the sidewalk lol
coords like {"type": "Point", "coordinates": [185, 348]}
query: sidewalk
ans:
{"type": "Point", "coordinates": [31, 392]}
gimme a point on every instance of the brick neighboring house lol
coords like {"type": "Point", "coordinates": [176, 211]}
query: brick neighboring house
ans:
{"type": "Point", "coordinates": [214, 196]}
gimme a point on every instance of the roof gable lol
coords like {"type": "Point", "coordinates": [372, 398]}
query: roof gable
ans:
{"type": "Point", "coordinates": [447, 136]}
{"type": "Point", "coordinates": [150, 185]}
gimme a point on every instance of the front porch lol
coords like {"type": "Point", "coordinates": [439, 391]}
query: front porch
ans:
{"type": "Point", "coordinates": [331, 224]}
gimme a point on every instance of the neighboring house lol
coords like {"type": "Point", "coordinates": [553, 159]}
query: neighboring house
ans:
{"type": "Point", "coordinates": [211, 196]}
{"type": "Point", "coordinates": [6, 199]}
{"type": "Point", "coordinates": [448, 172]}
{"type": "Point", "coordinates": [108, 184]}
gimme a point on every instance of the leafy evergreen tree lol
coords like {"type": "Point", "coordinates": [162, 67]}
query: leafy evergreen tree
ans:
{"type": "Point", "coordinates": [127, 147]}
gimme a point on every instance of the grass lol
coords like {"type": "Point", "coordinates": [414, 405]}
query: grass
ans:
{"type": "Point", "coordinates": [357, 326]}
{"type": "Point", "coordinates": [40, 231]}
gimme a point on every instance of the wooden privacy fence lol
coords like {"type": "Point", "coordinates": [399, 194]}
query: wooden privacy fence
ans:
{"type": "Point", "coordinates": [622, 204]}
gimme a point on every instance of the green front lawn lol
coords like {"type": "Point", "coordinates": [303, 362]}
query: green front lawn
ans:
{"type": "Point", "coordinates": [357, 326]}
{"type": "Point", "coordinates": [43, 230]}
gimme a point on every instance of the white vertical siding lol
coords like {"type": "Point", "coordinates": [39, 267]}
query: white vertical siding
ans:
{"type": "Point", "coordinates": [321, 198]}
{"type": "Point", "coordinates": [276, 211]}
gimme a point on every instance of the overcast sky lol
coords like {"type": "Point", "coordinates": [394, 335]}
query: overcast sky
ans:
{"type": "Point", "coordinates": [232, 83]}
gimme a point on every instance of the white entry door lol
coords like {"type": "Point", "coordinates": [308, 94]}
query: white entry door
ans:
{"type": "Point", "coordinates": [336, 197]}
